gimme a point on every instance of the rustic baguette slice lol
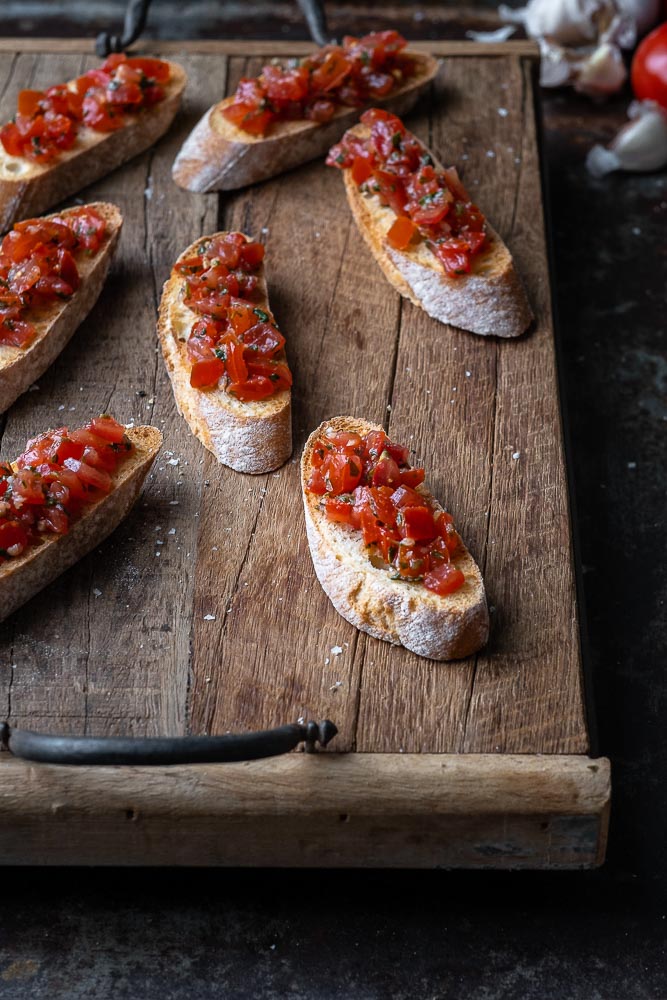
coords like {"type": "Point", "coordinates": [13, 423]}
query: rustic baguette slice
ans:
{"type": "Point", "coordinates": [406, 614]}
{"type": "Point", "coordinates": [25, 576]}
{"type": "Point", "coordinates": [28, 188]}
{"type": "Point", "coordinates": [55, 324]}
{"type": "Point", "coordinates": [490, 300]}
{"type": "Point", "coordinates": [218, 156]}
{"type": "Point", "coordinates": [253, 437]}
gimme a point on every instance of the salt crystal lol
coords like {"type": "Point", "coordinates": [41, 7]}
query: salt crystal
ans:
{"type": "Point", "coordinates": [209, 618]}
{"type": "Point", "coordinates": [468, 374]}
{"type": "Point", "coordinates": [516, 454]}
{"type": "Point", "coordinates": [97, 593]}
{"type": "Point", "coordinates": [336, 650]}
{"type": "Point", "coordinates": [503, 112]}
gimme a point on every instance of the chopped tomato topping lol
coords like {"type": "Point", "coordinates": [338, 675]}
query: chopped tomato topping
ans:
{"type": "Point", "coordinates": [352, 74]}
{"type": "Point", "coordinates": [38, 265]}
{"type": "Point", "coordinates": [57, 474]}
{"type": "Point", "coordinates": [430, 204]}
{"type": "Point", "coordinates": [47, 121]}
{"type": "Point", "coordinates": [234, 344]}
{"type": "Point", "coordinates": [368, 484]}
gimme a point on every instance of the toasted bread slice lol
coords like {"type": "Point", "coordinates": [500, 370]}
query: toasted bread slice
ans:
{"type": "Point", "coordinates": [28, 188]}
{"type": "Point", "coordinates": [490, 300]}
{"type": "Point", "coordinates": [218, 156]}
{"type": "Point", "coordinates": [406, 614]}
{"type": "Point", "coordinates": [252, 437]}
{"type": "Point", "coordinates": [55, 324]}
{"type": "Point", "coordinates": [25, 576]}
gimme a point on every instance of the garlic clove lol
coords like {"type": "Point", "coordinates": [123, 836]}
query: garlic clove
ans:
{"type": "Point", "coordinates": [640, 146]}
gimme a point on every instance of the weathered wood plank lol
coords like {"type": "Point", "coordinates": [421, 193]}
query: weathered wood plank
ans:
{"type": "Point", "coordinates": [325, 810]}
{"type": "Point", "coordinates": [276, 662]}
{"type": "Point", "coordinates": [247, 49]}
{"type": "Point", "coordinates": [105, 649]}
{"type": "Point", "coordinates": [534, 656]}
{"type": "Point", "coordinates": [238, 551]}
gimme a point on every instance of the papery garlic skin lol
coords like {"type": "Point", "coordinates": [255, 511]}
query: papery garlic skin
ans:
{"type": "Point", "coordinates": [640, 146]}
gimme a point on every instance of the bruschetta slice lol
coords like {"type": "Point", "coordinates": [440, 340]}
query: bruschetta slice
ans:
{"type": "Point", "coordinates": [292, 113]}
{"type": "Point", "coordinates": [225, 354]}
{"type": "Point", "coordinates": [432, 243]}
{"type": "Point", "coordinates": [71, 134]}
{"type": "Point", "coordinates": [385, 551]}
{"type": "Point", "coordinates": [52, 270]}
{"type": "Point", "coordinates": [63, 496]}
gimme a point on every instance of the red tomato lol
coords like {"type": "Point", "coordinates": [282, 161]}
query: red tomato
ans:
{"type": "Point", "coordinates": [386, 472]}
{"type": "Point", "coordinates": [97, 479]}
{"type": "Point", "coordinates": [417, 523]}
{"type": "Point", "coordinates": [649, 67]}
{"type": "Point", "coordinates": [263, 338]}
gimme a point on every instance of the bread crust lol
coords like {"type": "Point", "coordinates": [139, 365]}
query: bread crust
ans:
{"type": "Point", "coordinates": [25, 576]}
{"type": "Point", "coordinates": [56, 324]}
{"type": "Point", "coordinates": [217, 156]}
{"type": "Point", "coordinates": [253, 437]}
{"type": "Point", "coordinates": [405, 614]}
{"type": "Point", "coordinates": [28, 189]}
{"type": "Point", "coordinates": [490, 300]}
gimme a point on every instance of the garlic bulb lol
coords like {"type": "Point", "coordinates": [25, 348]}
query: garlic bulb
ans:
{"type": "Point", "coordinates": [641, 145]}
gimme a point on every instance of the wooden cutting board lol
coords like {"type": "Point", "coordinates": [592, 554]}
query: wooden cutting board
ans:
{"type": "Point", "coordinates": [479, 763]}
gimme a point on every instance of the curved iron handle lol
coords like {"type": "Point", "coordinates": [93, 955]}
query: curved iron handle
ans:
{"type": "Point", "coordinates": [316, 19]}
{"type": "Point", "coordinates": [135, 22]}
{"type": "Point", "coordinates": [48, 749]}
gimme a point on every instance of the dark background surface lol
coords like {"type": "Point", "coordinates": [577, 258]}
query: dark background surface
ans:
{"type": "Point", "coordinates": [438, 935]}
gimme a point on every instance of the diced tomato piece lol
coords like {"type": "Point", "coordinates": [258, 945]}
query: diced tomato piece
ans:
{"type": "Point", "coordinates": [339, 509]}
{"type": "Point", "coordinates": [331, 73]}
{"type": "Point", "coordinates": [241, 315]}
{"type": "Point", "coordinates": [341, 473]}
{"type": "Point", "coordinates": [401, 232]}
{"type": "Point", "coordinates": [154, 69]}
{"type": "Point", "coordinates": [405, 496]}
{"type": "Point", "coordinates": [321, 111]}
{"type": "Point", "coordinates": [412, 477]}
{"type": "Point", "coordinates": [371, 527]}
{"type": "Point", "coordinates": [54, 519]}
{"type": "Point", "coordinates": [362, 169]}
{"type": "Point", "coordinates": [254, 388]}
{"type": "Point", "coordinates": [97, 479]}
{"type": "Point", "coordinates": [386, 471]}
{"type": "Point", "coordinates": [108, 428]}
{"type": "Point", "coordinates": [263, 338]}
{"type": "Point", "coordinates": [412, 560]}
{"type": "Point", "coordinates": [28, 487]}
{"type": "Point", "coordinates": [13, 538]}
{"type": "Point", "coordinates": [70, 479]}
{"type": "Point", "coordinates": [252, 255]}
{"type": "Point", "coordinates": [18, 333]}
{"type": "Point", "coordinates": [417, 523]}
{"type": "Point", "coordinates": [277, 371]}
{"type": "Point", "coordinates": [444, 579]}
{"type": "Point", "coordinates": [206, 374]}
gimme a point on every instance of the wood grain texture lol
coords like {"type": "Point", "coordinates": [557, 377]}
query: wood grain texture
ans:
{"type": "Point", "coordinates": [248, 49]}
{"type": "Point", "coordinates": [141, 656]}
{"type": "Point", "coordinates": [356, 810]}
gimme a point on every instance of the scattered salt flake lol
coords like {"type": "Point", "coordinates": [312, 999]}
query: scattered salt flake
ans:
{"type": "Point", "coordinates": [327, 661]}
{"type": "Point", "coordinates": [214, 549]}
{"type": "Point", "coordinates": [272, 947]}
{"type": "Point", "coordinates": [174, 503]}
{"type": "Point", "coordinates": [490, 153]}
{"type": "Point", "coordinates": [159, 541]}
{"type": "Point", "coordinates": [389, 406]}
{"type": "Point", "coordinates": [62, 406]}
{"type": "Point", "coordinates": [503, 112]}
{"type": "Point", "coordinates": [465, 156]}
{"type": "Point", "coordinates": [158, 553]}
{"type": "Point", "coordinates": [336, 685]}
{"type": "Point", "coordinates": [336, 650]}
{"type": "Point", "coordinates": [34, 388]}
{"type": "Point", "coordinates": [172, 531]}
{"type": "Point", "coordinates": [209, 618]}
{"type": "Point", "coordinates": [632, 465]}
{"type": "Point", "coordinates": [516, 454]}
{"type": "Point", "coordinates": [301, 720]}
{"type": "Point", "coordinates": [173, 461]}
{"type": "Point", "coordinates": [468, 374]}
{"type": "Point", "coordinates": [207, 680]}
{"type": "Point", "coordinates": [96, 592]}
{"type": "Point", "coordinates": [636, 231]}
